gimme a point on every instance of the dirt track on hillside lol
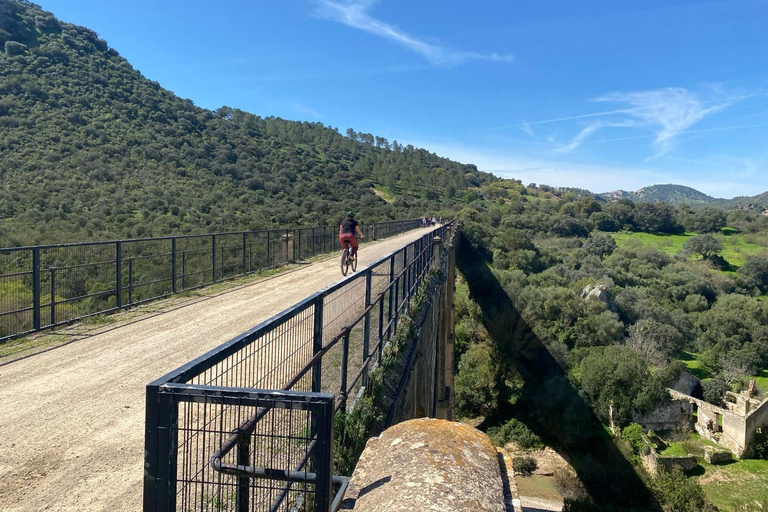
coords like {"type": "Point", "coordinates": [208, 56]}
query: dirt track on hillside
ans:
{"type": "Point", "coordinates": [72, 419]}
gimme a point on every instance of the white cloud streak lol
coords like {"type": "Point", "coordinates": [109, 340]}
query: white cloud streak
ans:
{"type": "Point", "coordinates": [354, 13]}
{"type": "Point", "coordinates": [667, 113]}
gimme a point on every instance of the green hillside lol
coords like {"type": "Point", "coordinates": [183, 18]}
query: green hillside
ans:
{"type": "Point", "coordinates": [680, 194]}
{"type": "Point", "coordinates": [90, 149]}
{"type": "Point", "coordinates": [672, 194]}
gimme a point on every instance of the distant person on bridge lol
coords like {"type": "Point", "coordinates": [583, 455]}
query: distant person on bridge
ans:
{"type": "Point", "coordinates": [347, 231]}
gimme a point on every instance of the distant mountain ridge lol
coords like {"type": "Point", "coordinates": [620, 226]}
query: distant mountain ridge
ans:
{"type": "Point", "coordinates": [678, 194]}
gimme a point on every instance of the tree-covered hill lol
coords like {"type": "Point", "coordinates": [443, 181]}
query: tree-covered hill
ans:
{"type": "Point", "coordinates": [90, 149]}
{"type": "Point", "coordinates": [680, 194]}
{"type": "Point", "coordinates": [672, 194]}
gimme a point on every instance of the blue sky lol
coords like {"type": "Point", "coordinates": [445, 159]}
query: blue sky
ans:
{"type": "Point", "coordinates": [599, 94]}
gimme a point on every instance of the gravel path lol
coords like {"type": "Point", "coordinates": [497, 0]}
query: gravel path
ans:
{"type": "Point", "coordinates": [72, 419]}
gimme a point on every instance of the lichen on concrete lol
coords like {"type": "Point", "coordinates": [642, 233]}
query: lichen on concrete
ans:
{"type": "Point", "coordinates": [428, 464]}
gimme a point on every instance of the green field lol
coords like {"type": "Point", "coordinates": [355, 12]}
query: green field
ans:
{"type": "Point", "coordinates": [727, 486]}
{"type": "Point", "coordinates": [674, 450]}
{"type": "Point", "coordinates": [695, 366]}
{"type": "Point", "coordinates": [735, 248]}
{"type": "Point", "coordinates": [762, 379]}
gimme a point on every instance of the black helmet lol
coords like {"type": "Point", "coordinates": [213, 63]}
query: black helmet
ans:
{"type": "Point", "coordinates": [350, 213]}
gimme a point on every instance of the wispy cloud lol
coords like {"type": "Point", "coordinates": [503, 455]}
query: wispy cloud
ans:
{"type": "Point", "coordinates": [667, 113]}
{"type": "Point", "coordinates": [527, 129]}
{"type": "Point", "coordinates": [589, 130]}
{"type": "Point", "coordinates": [304, 109]}
{"type": "Point", "coordinates": [355, 14]}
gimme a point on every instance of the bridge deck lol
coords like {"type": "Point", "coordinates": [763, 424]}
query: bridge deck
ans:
{"type": "Point", "coordinates": [72, 419]}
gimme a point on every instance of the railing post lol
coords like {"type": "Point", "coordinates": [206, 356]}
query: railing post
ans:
{"type": "Point", "coordinates": [242, 494]}
{"type": "Point", "coordinates": [405, 271]}
{"type": "Point", "coordinates": [314, 241]}
{"type": "Point", "coordinates": [381, 331]}
{"type": "Point", "coordinates": [317, 345]}
{"type": "Point", "coordinates": [269, 259]}
{"type": "Point", "coordinates": [160, 451]}
{"type": "Point", "coordinates": [213, 258]}
{"type": "Point", "coordinates": [436, 242]}
{"type": "Point", "coordinates": [344, 365]}
{"type": "Point", "coordinates": [36, 288]}
{"type": "Point", "coordinates": [119, 274]}
{"type": "Point", "coordinates": [367, 326]}
{"type": "Point", "coordinates": [173, 264]}
{"type": "Point", "coordinates": [393, 328]}
{"type": "Point", "coordinates": [53, 296]}
{"type": "Point", "coordinates": [324, 457]}
{"type": "Point", "coordinates": [245, 249]}
{"type": "Point", "coordinates": [183, 270]}
{"type": "Point", "coordinates": [392, 294]}
{"type": "Point", "coordinates": [289, 249]}
{"type": "Point", "coordinates": [130, 280]}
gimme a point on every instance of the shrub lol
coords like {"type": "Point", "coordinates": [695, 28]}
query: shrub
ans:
{"type": "Point", "coordinates": [476, 381]}
{"type": "Point", "coordinates": [568, 484]}
{"type": "Point", "coordinates": [587, 505]}
{"type": "Point", "coordinates": [516, 432]}
{"type": "Point", "coordinates": [524, 466]}
{"type": "Point", "coordinates": [714, 390]}
{"type": "Point", "coordinates": [15, 48]}
{"type": "Point", "coordinates": [678, 493]}
{"type": "Point", "coordinates": [760, 446]}
{"type": "Point", "coordinates": [633, 433]}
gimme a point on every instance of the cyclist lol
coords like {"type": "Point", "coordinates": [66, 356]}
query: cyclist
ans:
{"type": "Point", "coordinates": [347, 231]}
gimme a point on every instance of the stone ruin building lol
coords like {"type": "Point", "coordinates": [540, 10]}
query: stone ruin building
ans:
{"type": "Point", "coordinates": [733, 426]}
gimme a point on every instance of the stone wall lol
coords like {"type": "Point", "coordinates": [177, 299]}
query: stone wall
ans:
{"type": "Point", "coordinates": [653, 462]}
{"type": "Point", "coordinates": [758, 418]}
{"type": "Point", "coordinates": [418, 398]}
{"type": "Point", "coordinates": [737, 431]}
{"type": "Point", "coordinates": [667, 416]}
{"type": "Point", "coordinates": [685, 463]}
{"type": "Point", "coordinates": [416, 384]}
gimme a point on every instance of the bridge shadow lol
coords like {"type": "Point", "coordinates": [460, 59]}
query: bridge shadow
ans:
{"type": "Point", "coordinates": [548, 403]}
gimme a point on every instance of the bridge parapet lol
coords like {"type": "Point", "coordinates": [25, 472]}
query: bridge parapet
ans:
{"type": "Point", "coordinates": [432, 464]}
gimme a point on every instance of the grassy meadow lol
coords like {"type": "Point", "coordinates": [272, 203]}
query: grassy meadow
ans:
{"type": "Point", "coordinates": [736, 246]}
{"type": "Point", "coordinates": [727, 486]}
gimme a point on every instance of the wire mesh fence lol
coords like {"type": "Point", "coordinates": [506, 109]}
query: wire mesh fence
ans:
{"type": "Point", "coordinates": [48, 286]}
{"type": "Point", "coordinates": [205, 451]}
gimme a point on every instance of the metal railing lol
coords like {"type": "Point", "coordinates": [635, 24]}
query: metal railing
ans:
{"type": "Point", "coordinates": [217, 438]}
{"type": "Point", "coordinates": [51, 285]}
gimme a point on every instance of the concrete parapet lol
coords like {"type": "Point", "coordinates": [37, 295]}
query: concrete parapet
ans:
{"type": "Point", "coordinates": [429, 464]}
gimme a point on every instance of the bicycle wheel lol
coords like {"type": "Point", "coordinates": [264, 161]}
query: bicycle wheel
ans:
{"type": "Point", "coordinates": [354, 263]}
{"type": "Point", "coordinates": [345, 261]}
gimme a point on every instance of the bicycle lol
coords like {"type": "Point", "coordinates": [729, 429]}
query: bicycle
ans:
{"type": "Point", "coordinates": [346, 261]}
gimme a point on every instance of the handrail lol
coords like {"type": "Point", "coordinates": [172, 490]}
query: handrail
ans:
{"type": "Point", "coordinates": [124, 273]}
